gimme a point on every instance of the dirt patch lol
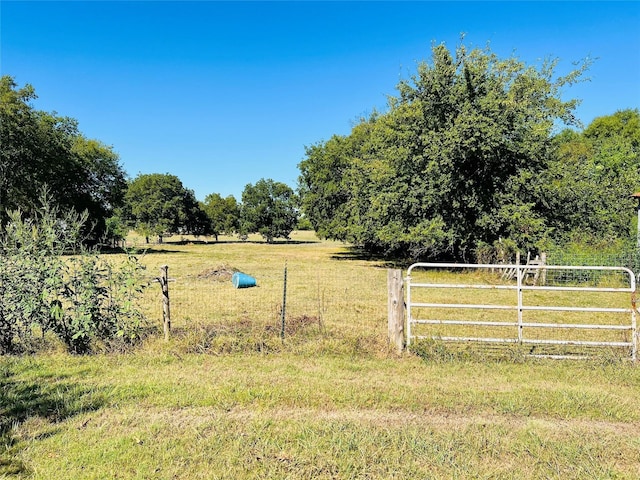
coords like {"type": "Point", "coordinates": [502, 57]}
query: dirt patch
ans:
{"type": "Point", "coordinates": [221, 273]}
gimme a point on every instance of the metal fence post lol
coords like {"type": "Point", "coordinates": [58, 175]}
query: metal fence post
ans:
{"type": "Point", "coordinates": [519, 279]}
{"type": "Point", "coordinates": [283, 312]}
{"type": "Point", "coordinates": [166, 312]}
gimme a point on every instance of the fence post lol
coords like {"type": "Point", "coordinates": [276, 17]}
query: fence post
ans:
{"type": "Point", "coordinates": [283, 313]}
{"type": "Point", "coordinates": [166, 313]}
{"type": "Point", "coordinates": [395, 287]}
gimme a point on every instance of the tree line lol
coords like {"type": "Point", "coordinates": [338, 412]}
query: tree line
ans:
{"type": "Point", "coordinates": [43, 151]}
{"type": "Point", "coordinates": [474, 154]}
{"type": "Point", "coordinates": [158, 205]}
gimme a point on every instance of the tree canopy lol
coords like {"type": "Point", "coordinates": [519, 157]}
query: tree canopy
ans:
{"type": "Point", "coordinates": [586, 188]}
{"type": "Point", "coordinates": [268, 208]}
{"type": "Point", "coordinates": [39, 148]}
{"type": "Point", "coordinates": [452, 164]}
{"type": "Point", "coordinates": [468, 153]}
{"type": "Point", "coordinates": [158, 204]}
{"type": "Point", "coordinates": [223, 214]}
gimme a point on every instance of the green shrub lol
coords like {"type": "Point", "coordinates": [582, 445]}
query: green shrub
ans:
{"type": "Point", "coordinates": [50, 283]}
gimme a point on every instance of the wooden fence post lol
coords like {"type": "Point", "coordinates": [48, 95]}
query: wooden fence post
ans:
{"type": "Point", "coordinates": [395, 287]}
{"type": "Point", "coordinates": [166, 312]}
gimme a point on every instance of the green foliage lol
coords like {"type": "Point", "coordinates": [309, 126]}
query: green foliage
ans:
{"type": "Point", "coordinates": [80, 298]}
{"type": "Point", "coordinates": [326, 195]}
{"type": "Point", "coordinates": [158, 204]}
{"type": "Point", "coordinates": [501, 251]}
{"type": "Point", "coordinates": [268, 208]}
{"type": "Point", "coordinates": [448, 166]}
{"type": "Point", "coordinates": [304, 224]}
{"type": "Point", "coordinates": [116, 229]}
{"type": "Point", "coordinates": [585, 191]}
{"type": "Point", "coordinates": [95, 303]}
{"type": "Point", "coordinates": [39, 148]}
{"type": "Point", "coordinates": [223, 213]}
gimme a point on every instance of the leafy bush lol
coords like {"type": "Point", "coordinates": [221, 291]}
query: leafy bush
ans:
{"type": "Point", "coordinates": [50, 283]}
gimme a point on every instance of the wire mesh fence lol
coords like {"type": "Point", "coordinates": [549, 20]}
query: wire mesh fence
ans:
{"type": "Point", "coordinates": [628, 258]}
{"type": "Point", "coordinates": [342, 300]}
{"type": "Point", "coordinates": [329, 291]}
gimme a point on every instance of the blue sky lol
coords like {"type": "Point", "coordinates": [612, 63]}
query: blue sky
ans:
{"type": "Point", "coordinates": [222, 94]}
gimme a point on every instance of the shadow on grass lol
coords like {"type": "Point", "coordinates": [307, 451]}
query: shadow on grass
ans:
{"type": "Point", "coordinates": [154, 248]}
{"type": "Point", "coordinates": [293, 242]}
{"type": "Point", "coordinates": [146, 250]}
{"type": "Point", "coordinates": [359, 254]}
{"type": "Point", "coordinates": [48, 397]}
{"type": "Point", "coordinates": [240, 242]}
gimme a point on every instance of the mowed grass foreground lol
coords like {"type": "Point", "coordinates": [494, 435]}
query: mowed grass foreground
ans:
{"type": "Point", "coordinates": [228, 398]}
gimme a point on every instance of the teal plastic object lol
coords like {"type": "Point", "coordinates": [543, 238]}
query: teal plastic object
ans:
{"type": "Point", "coordinates": [242, 280]}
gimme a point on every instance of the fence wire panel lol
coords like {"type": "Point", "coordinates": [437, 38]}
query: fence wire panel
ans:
{"type": "Point", "coordinates": [627, 257]}
{"type": "Point", "coordinates": [338, 300]}
{"type": "Point", "coordinates": [549, 310]}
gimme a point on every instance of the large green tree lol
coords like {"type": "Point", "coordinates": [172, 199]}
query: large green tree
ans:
{"type": "Point", "coordinates": [223, 214]}
{"type": "Point", "coordinates": [158, 204]}
{"type": "Point", "coordinates": [39, 148]}
{"type": "Point", "coordinates": [587, 186]}
{"type": "Point", "coordinates": [268, 208]}
{"type": "Point", "coordinates": [447, 167]}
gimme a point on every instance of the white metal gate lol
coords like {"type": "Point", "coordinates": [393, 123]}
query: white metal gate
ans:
{"type": "Point", "coordinates": [607, 325]}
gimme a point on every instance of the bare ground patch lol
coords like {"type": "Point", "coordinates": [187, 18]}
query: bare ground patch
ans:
{"type": "Point", "coordinates": [220, 273]}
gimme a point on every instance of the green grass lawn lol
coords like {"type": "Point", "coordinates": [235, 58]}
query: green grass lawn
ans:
{"type": "Point", "coordinates": [226, 397]}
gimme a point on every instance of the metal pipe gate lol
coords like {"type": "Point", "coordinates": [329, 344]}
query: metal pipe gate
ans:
{"type": "Point", "coordinates": [627, 329]}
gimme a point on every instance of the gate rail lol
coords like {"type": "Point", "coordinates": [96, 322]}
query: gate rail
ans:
{"type": "Point", "coordinates": [519, 306]}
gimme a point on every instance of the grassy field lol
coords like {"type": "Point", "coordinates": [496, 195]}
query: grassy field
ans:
{"type": "Point", "coordinates": [227, 397]}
